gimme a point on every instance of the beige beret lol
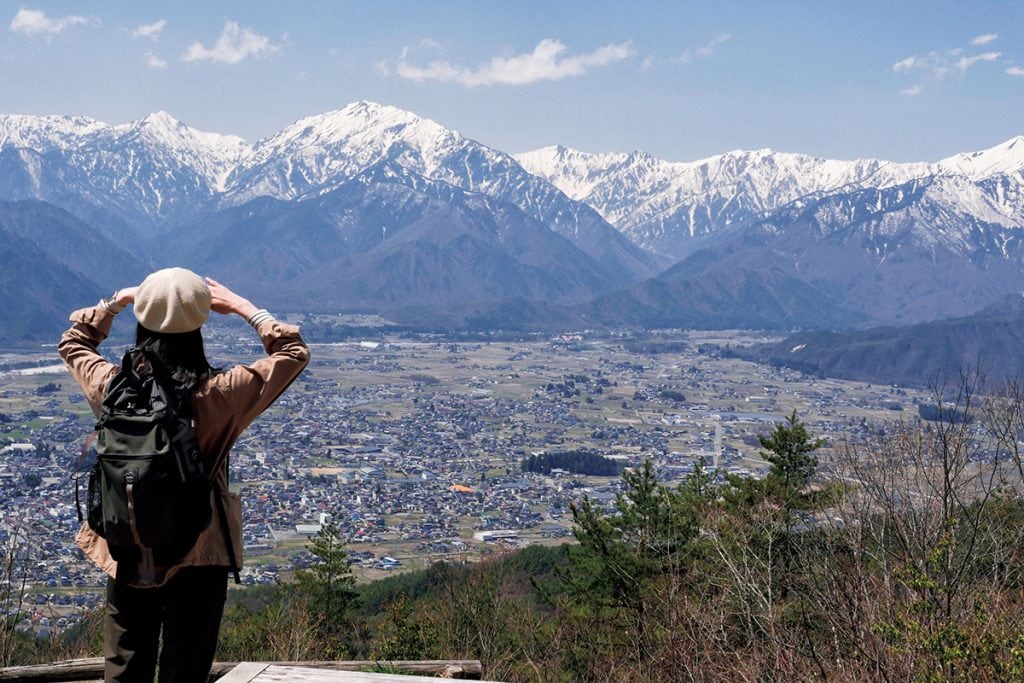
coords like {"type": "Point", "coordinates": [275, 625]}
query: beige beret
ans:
{"type": "Point", "coordinates": [172, 300]}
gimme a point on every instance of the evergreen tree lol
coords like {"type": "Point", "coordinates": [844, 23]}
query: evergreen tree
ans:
{"type": "Point", "coordinates": [789, 452]}
{"type": "Point", "coordinates": [617, 573]}
{"type": "Point", "coordinates": [329, 583]}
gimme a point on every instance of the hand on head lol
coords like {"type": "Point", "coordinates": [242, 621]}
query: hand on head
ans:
{"type": "Point", "coordinates": [125, 296]}
{"type": "Point", "coordinates": [224, 301]}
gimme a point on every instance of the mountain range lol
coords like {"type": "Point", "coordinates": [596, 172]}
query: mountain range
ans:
{"type": "Point", "coordinates": [673, 208]}
{"type": "Point", "coordinates": [373, 208]}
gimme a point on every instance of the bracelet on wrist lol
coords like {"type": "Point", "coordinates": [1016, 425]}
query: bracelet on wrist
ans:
{"type": "Point", "coordinates": [259, 317]}
{"type": "Point", "coordinates": [110, 303]}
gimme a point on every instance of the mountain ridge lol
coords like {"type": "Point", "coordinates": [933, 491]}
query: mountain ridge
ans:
{"type": "Point", "coordinates": [668, 207]}
{"type": "Point", "coordinates": [918, 355]}
{"type": "Point", "coordinates": [371, 206]}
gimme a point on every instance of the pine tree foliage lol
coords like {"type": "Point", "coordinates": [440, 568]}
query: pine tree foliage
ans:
{"type": "Point", "coordinates": [790, 449]}
{"type": "Point", "coordinates": [329, 582]}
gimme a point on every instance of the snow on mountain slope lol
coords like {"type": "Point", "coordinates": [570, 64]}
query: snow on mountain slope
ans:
{"type": "Point", "coordinates": [212, 155]}
{"type": "Point", "coordinates": [668, 207]}
{"type": "Point", "coordinates": [46, 133]}
{"type": "Point", "coordinates": [147, 170]}
{"type": "Point", "coordinates": [1005, 158]}
{"type": "Point", "coordinates": [319, 153]}
{"type": "Point", "coordinates": [954, 213]}
{"type": "Point", "coordinates": [157, 172]}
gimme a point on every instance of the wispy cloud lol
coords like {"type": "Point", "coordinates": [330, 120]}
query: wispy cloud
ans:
{"type": "Point", "coordinates": [910, 63]}
{"type": "Point", "coordinates": [704, 51]}
{"type": "Point", "coordinates": [34, 22]}
{"type": "Point", "coordinates": [1015, 71]}
{"type": "Point", "coordinates": [964, 63]}
{"type": "Point", "coordinates": [938, 66]}
{"type": "Point", "coordinates": [942, 65]}
{"type": "Point", "coordinates": [149, 30]}
{"type": "Point", "coordinates": [547, 62]}
{"type": "Point", "coordinates": [234, 45]}
{"type": "Point", "coordinates": [155, 62]}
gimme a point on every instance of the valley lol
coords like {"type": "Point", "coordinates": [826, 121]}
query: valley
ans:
{"type": "Point", "coordinates": [413, 443]}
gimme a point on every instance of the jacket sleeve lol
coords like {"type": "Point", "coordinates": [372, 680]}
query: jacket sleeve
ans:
{"type": "Point", "coordinates": [78, 347]}
{"type": "Point", "coordinates": [251, 389]}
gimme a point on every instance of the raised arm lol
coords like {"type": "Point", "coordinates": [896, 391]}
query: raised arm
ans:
{"type": "Point", "coordinates": [250, 389]}
{"type": "Point", "coordinates": [78, 345]}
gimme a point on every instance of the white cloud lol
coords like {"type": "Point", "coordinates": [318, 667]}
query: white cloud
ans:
{"type": "Point", "coordinates": [149, 30]}
{"type": "Point", "coordinates": [965, 63]}
{"type": "Point", "coordinates": [234, 44]}
{"type": "Point", "coordinates": [1015, 71]}
{"type": "Point", "coordinates": [938, 66]}
{"type": "Point", "coordinates": [155, 62]}
{"type": "Point", "coordinates": [547, 62]}
{"type": "Point", "coordinates": [908, 63]}
{"type": "Point", "coordinates": [33, 21]}
{"type": "Point", "coordinates": [704, 51]}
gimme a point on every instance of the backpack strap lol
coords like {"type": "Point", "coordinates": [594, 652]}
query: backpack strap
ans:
{"type": "Point", "coordinates": [227, 532]}
{"type": "Point", "coordinates": [82, 458]}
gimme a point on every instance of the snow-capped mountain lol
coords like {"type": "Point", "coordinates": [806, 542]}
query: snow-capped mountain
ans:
{"type": "Point", "coordinates": [318, 153]}
{"type": "Point", "coordinates": [211, 155]}
{"type": "Point", "coordinates": [1004, 159]}
{"type": "Point", "coordinates": [147, 171]}
{"type": "Point", "coordinates": [46, 133]}
{"type": "Point", "coordinates": [673, 208]}
{"type": "Point", "coordinates": [157, 172]}
{"type": "Point", "coordinates": [390, 237]}
{"type": "Point", "coordinates": [374, 206]}
{"type": "Point", "coordinates": [926, 249]}
{"type": "Point", "coordinates": [902, 254]}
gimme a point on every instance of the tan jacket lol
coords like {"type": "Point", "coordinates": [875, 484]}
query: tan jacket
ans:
{"type": "Point", "coordinates": [222, 408]}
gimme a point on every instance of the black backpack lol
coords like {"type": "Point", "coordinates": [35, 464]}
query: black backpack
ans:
{"type": "Point", "coordinates": [149, 491]}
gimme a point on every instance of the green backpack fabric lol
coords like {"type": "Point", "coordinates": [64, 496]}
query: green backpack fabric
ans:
{"type": "Point", "coordinates": [149, 492]}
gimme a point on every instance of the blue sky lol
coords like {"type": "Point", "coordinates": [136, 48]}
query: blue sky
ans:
{"type": "Point", "coordinates": [902, 81]}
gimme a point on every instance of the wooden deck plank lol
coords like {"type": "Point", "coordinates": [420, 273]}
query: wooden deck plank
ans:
{"type": "Point", "coordinates": [276, 673]}
{"type": "Point", "coordinates": [90, 669]}
{"type": "Point", "coordinates": [244, 672]}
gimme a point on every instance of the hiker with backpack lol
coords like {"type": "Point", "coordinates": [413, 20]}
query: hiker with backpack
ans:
{"type": "Point", "coordinates": [161, 521]}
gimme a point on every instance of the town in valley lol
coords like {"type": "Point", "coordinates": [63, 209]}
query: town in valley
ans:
{"type": "Point", "coordinates": [414, 444]}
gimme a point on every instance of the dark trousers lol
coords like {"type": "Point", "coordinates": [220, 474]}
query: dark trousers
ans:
{"type": "Point", "coordinates": [188, 609]}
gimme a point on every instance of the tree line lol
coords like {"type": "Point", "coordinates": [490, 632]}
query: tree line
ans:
{"type": "Point", "coordinates": [580, 461]}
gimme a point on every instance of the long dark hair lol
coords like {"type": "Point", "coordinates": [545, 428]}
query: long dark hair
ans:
{"type": "Point", "coordinates": [182, 355]}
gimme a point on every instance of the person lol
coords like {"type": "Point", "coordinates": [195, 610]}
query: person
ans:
{"type": "Point", "coordinates": [183, 602]}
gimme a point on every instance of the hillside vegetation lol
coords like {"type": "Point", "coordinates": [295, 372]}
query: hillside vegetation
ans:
{"type": "Point", "coordinates": [898, 557]}
{"type": "Point", "coordinates": [990, 340]}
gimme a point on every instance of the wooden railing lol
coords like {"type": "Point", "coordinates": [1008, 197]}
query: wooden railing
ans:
{"type": "Point", "coordinates": [91, 669]}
